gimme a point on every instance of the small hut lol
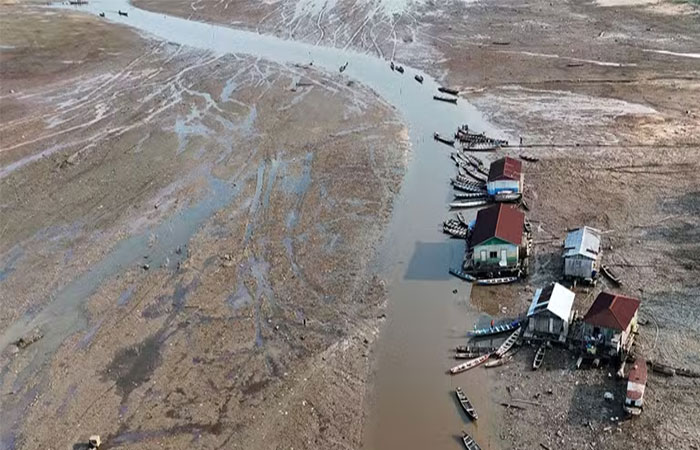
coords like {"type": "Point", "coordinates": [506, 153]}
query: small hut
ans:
{"type": "Point", "coordinates": [610, 324]}
{"type": "Point", "coordinates": [549, 314]}
{"type": "Point", "coordinates": [505, 177]}
{"type": "Point", "coordinates": [582, 254]}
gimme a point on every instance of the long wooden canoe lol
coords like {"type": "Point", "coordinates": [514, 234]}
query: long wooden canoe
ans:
{"type": "Point", "coordinates": [470, 364]}
{"type": "Point", "coordinates": [466, 404]}
{"type": "Point", "coordinates": [539, 357]}
{"type": "Point", "coordinates": [497, 329]}
{"type": "Point", "coordinates": [469, 442]}
{"type": "Point", "coordinates": [508, 344]}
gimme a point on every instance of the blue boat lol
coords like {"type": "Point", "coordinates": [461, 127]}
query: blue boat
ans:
{"type": "Point", "coordinates": [496, 329]}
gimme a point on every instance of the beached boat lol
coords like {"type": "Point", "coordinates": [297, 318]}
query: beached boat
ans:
{"type": "Point", "coordinates": [469, 203]}
{"type": "Point", "coordinates": [469, 443]}
{"type": "Point", "coordinates": [470, 186]}
{"type": "Point", "coordinates": [529, 158]}
{"type": "Point", "coordinates": [508, 344]}
{"type": "Point", "coordinates": [494, 281]}
{"type": "Point", "coordinates": [466, 404]}
{"type": "Point", "coordinates": [507, 196]}
{"type": "Point", "coordinates": [455, 228]}
{"type": "Point", "coordinates": [608, 273]}
{"type": "Point", "coordinates": [444, 140]}
{"type": "Point", "coordinates": [446, 90]}
{"type": "Point", "coordinates": [463, 275]}
{"type": "Point", "coordinates": [419, 78]}
{"type": "Point", "coordinates": [462, 219]}
{"type": "Point", "coordinates": [474, 349]}
{"type": "Point", "coordinates": [539, 357]}
{"type": "Point", "coordinates": [471, 195]}
{"type": "Point", "coordinates": [470, 364]}
{"type": "Point", "coordinates": [636, 384]}
{"type": "Point", "coordinates": [467, 355]}
{"type": "Point", "coordinates": [497, 362]}
{"type": "Point", "coordinates": [496, 329]}
{"type": "Point", "coordinates": [445, 99]}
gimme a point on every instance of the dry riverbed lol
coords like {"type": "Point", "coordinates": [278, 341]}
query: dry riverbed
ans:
{"type": "Point", "coordinates": [187, 233]}
{"type": "Point", "coordinates": [252, 326]}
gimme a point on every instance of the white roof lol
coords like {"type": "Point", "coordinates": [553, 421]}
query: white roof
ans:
{"type": "Point", "coordinates": [584, 241]}
{"type": "Point", "coordinates": [555, 298]}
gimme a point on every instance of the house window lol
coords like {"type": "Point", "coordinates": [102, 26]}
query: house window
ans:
{"type": "Point", "coordinates": [493, 255]}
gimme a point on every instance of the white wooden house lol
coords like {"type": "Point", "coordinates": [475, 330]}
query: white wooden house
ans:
{"type": "Point", "coordinates": [582, 254]}
{"type": "Point", "coordinates": [549, 314]}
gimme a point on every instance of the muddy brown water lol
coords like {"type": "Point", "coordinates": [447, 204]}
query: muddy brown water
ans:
{"type": "Point", "coordinates": [411, 402]}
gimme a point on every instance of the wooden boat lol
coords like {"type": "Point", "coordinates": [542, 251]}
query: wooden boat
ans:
{"type": "Point", "coordinates": [496, 281]}
{"type": "Point", "coordinates": [467, 355]}
{"type": "Point", "coordinates": [455, 228]}
{"type": "Point", "coordinates": [445, 99]}
{"type": "Point", "coordinates": [343, 67]}
{"type": "Point", "coordinates": [497, 362]}
{"type": "Point", "coordinates": [508, 344]}
{"type": "Point", "coordinates": [507, 196]}
{"type": "Point", "coordinates": [419, 78]}
{"type": "Point", "coordinates": [469, 443]}
{"type": "Point", "coordinates": [497, 329]}
{"type": "Point", "coordinates": [608, 273]}
{"type": "Point", "coordinates": [399, 69]}
{"type": "Point", "coordinates": [444, 140]}
{"type": "Point", "coordinates": [478, 176]}
{"type": "Point", "coordinates": [469, 203]}
{"type": "Point", "coordinates": [470, 364]}
{"type": "Point", "coordinates": [466, 404]}
{"type": "Point", "coordinates": [463, 275]}
{"type": "Point", "coordinates": [471, 195]}
{"type": "Point", "coordinates": [468, 186]}
{"type": "Point", "coordinates": [391, 65]}
{"type": "Point", "coordinates": [462, 219]}
{"type": "Point", "coordinates": [446, 90]}
{"type": "Point", "coordinates": [474, 349]}
{"type": "Point", "coordinates": [123, 13]}
{"type": "Point", "coordinates": [539, 357]}
{"type": "Point", "coordinates": [480, 147]}
{"type": "Point", "coordinates": [529, 158]}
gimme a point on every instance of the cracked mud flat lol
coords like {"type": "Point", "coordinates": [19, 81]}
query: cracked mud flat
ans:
{"type": "Point", "coordinates": [235, 188]}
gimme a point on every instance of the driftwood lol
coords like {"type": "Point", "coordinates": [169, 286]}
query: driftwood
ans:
{"type": "Point", "coordinates": [510, 405]}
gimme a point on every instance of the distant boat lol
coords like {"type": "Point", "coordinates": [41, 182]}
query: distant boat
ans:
{"type": "Point", "coordinates": [419, 78]}
{"type": "Point", "coordinates": [446, 90]}
{"type": "Point", "coordinates": [470, 364]}
{"type": "Point", "coordinates": [445, 99]}
{"type": "Point", "coordinates": [466, 404]}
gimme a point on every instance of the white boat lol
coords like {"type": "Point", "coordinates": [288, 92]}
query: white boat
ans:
{"type": "Point", "coordinates": [508, 344]}
{"type": "Point", "coordinates": [470, 364]}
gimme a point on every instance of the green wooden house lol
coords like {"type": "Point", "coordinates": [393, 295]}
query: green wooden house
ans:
{"type": "Point", "coordinates": [497, 238]}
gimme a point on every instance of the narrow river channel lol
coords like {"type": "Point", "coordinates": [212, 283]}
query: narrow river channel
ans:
{"type": "Point", "coordinates": [411, 402]}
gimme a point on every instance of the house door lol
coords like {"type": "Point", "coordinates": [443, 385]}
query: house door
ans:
{"type": "Point", "coordinates": [483, 255]}
{"type": "Point", "coordinates": [504, 258]}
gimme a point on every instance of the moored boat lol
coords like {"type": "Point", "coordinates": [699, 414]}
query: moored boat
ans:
{"type": "Point", "coordinates": [539, 357]}
{"type": "Point", "coordinates": [445, 99]}
{"type": "Point", "coordinates": [469, 442]}
{"type": "Point", "coordinates": [444, 140]}
{"type": "Point", "coordinates": [494, 281]}
{"type": "Point", "coordinates": [446, 90]}
{"type": "Point", "coordinates": [470, 364]}
{"type": "Point", "coordinates": [508, 344]}
{"type": "Point", "coordinates": [496, 329]}
{"type": "Point", "coordinates": [466, 404]}
{"type": "Point", "coordinates": [474, 349]}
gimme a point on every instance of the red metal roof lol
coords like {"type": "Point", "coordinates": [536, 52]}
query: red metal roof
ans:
{"type": "Point", "coordinates": [612, 311]}
{"type": "Point", "coordinates": [501, 221]}
{"type": "Point", "coordinates": [638, 375]}
{"type": "Point", "coordinates": [505, 169]}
